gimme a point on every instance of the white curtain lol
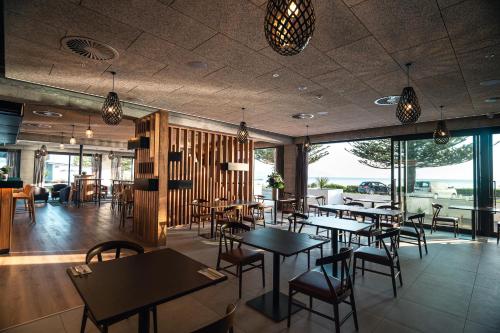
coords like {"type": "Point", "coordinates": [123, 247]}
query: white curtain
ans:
{"type": "Point", "coordinates": [116, 172]}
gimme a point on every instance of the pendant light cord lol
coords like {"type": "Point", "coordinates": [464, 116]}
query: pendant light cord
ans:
{"type": "Point", "coordinates": [243, 111]}
{"type": "Point", "coordinates": [408, 73]}
{"type": "Point", "coordinates": [441, 108]}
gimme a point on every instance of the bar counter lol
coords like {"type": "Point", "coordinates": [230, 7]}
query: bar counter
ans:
{"type": "Point", "coordinates": [6, 211]}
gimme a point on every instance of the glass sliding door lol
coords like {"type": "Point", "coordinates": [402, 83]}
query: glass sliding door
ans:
{"type": "Point", "coordinates": [264, 164]}
{"type": "Point", "coordinates": [56, 169]}
{"type": "Point", "coordinates": [429, 173]}
{"type": "Point", "coordinates": [496, 176]}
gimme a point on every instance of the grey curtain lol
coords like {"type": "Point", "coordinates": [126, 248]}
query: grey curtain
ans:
{"type": "Point", "coordinates": [96, 159]}
{"type": "Point", "coordinates": [116, 168]}
{"type": "Point", "coordinates": [13, 163]}
{"type": "Point", "coordinates": [39, 170]}
{"type": "Point", "coordinates": [301, 173]}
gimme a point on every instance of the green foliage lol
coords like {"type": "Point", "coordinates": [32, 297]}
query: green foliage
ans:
{"type": "Point", "coordinates": [322, 182]}
{"type": "Point", "coordinates": [316, 153]}
{"type": "Point", "coordinates": [335, 187]}
{"type": "Point", "coordinates": [351, 189]}
{"type": "Point", "coordinates": [5, 169]}
{"type": "Point", "coordinates": [421, 153]}
{"type": "Point", "coordinates": [265, 155]}
{"type": "Point", "coordinates": [274, 180]}
{"type": "Point", "coordinates": [313, 185]}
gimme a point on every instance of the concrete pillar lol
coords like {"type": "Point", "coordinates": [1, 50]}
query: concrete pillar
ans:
{"type": "Point", "coordinates": [289, 176]}
{"type": "Point", "coordinates": [27, 165]}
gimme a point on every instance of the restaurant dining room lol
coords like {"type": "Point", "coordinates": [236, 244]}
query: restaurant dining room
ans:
{"type": "Point", "coordinates": [249, 166]}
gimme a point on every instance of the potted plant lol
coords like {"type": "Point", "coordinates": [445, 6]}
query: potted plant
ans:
{"type": "Point", "coordinates": [275, 181]}
{"type": "Point", "coordinates": [4, 171]}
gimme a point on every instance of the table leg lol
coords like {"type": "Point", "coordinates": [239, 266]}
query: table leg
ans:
{"type": "Point", "coordinates": [212, 222]}
{"type": "Point", "coordinates": [274, 304]}
{"type": "Point", "coordinates": [473, 224]}
{"type": "Point", "coordinates": [335, 249]}
{"type": "Point", "coordinates": [143, 322]}
{"type": "Point", "coordinates": [275, 211]}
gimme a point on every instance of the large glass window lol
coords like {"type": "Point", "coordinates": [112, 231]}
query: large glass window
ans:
{"type": "Point", "coordinates": [358, 169]}
{"type": "Point", "coordinates": [127, 168]}
{"type": "Point", "coordinates": [264, 164]}
{"type": "Point", "coordinates": [56, 169]}
{"type": "Point", "coordinates": [440, 174]}
{"type": "Point", "coordinates": [496, 173]}
{"type": "Point", "coordinates": [3, 159]}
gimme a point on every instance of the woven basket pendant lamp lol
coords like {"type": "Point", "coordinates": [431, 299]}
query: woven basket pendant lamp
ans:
{"type": "Point", "coordinates": [289, 25]}
{"type": "Point", "coordinates": [408, 110]}
{"type": "Point", "coordinates": [441, 134]}
{"type": "Point", "coordinates": [242, 133]}
{"type": "Point", "coordinates": [112, 108]}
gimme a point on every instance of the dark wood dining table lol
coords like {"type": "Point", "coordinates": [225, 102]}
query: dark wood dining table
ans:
{"type": "Point", "coordinates": [474, 210]}
{"type": "Point", "coordinates": [372, 201]}
{"type": "Point", "coordinates": [376, 213]}
{"type": "Point", "coordinates": [117, 289]}
{"type": "Point", "coordinates": [274, 304]}
{"type": "Point", "coordinates": [217, 206]}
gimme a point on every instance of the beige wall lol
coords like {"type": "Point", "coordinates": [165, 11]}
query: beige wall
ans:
{"type": "Point", "coordinates": [290, 156]}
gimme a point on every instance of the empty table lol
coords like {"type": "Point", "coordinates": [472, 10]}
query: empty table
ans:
{"type": "Point", "coordinates": [372, 201]}
{"type": "Point", "coordinates": [120, 288]}
{"type": "Point", "coordinates": [274, 304]}
{"type": "Point", "coordinates": [373, 212]}
{"type": "Point", "coordinates": [474, 209]}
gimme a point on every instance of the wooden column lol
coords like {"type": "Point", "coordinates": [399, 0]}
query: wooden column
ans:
{"type": "Point", "coordinates": [6, 215]}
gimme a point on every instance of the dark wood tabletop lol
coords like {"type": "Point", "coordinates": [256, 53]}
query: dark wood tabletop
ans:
{"type": "Point", "coordinates": [119, 288]}
{"type": "Point", "coordinates": [362, 210]}
{"type": "Point", "coordinates": [224, 204]}
{"type": "Point", "coordinates": [279, 241]}
{"type": "Point", "coordinates": [479, 209]}
{"type": "Point", "coordinates": [326, 222]}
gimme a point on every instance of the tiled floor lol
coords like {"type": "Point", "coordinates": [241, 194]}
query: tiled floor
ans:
{"type": "Point", "coordinates": [455, 288]}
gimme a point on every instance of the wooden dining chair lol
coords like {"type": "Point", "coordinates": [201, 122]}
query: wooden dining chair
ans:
{"type": "Point", "coordinates": [199, 213]}
{"type": "Point", "coordinates": [127, 205]}
{"type": "Point", "coordinates": [320, 201]}
{"type": "Point", "coordinates": [223, 325]}
{"type": "Point", "coordinates": [388, 222]}
{"type": "Point", "coordinates": [332, 290]}
{"type": "Point", "coordinates": [220, 211]}
{"type": "Point", "coordinates": [242, 259]}
{"type": "Point", "coordinates": [27, 195]}
{"type": "Point", "coordinates": [255, 215]}
{"type": "Point", "coordinates": [288, 208]}
{"type": "Point", "coordinates": [445, 221]}
{"type": "Point", "coordinates": [412, 232]}
{"type": "Point", "coordinates": [261, 199]}
{"type": "Point", "coordinates": [297, 219]}
{"type": "Point", "coordinates": [385, 256]}
{"type": "Point", "coordinates": [117, 247]}
{"type": "Point", "coordinates": [229, 214]}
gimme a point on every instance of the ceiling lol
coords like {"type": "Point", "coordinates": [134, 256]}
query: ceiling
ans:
{"type": "Point", "coordinates": [356, 55]}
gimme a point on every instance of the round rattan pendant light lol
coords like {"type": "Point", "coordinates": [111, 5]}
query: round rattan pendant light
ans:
{"type": "Point", "coordinates": [289, 25]}
{"type": "Point", "coordinates": [242, 133]}
{"type": "Point", "coordinates": [441, 134]}
{"type": "Point", "coordinates": [307, 141]}
{"type": "Point", "coordinates": [112, 108]}
{"type": "Point", "coordinates": [408, 110]}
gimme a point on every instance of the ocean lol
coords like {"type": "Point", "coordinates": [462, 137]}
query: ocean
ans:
{"type": "Point", "coordinates": [457, 183]}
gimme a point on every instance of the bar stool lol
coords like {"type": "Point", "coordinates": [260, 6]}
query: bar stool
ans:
{"type": "Point", "coordinates": [29, 201]}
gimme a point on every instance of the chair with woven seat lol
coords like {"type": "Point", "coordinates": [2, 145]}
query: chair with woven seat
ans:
{"type": "Point", "coordinates": [385, 256]}
{"type": "Point", "coordinates": [445, 221]}
{"type": "Point", "coordinates": [238, 256]}
{"type": "Point", "coordinates": [412, 232]}
{"type": "Point", "coordinates": [223, 325]}
{"type": "Point", "coordinates": [199, 213]}
{"type": "Point", "coordinates": [295, 219]}
{"type": "Point", "coordinates": [261, 199]}
{"type": "Point", "coordinates": [255, 215]}
{"type": "Point", "coordinates": [97, 251]}
{"type": "Point", "coordinates": [329, 289]}
{"type": "Point", "coordinates": [320, 201]}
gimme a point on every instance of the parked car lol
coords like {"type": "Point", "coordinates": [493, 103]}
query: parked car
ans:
{"type": "Point", "coordinates": [434, 189]}
{"type": "Point", "coordinates": [373, 188]}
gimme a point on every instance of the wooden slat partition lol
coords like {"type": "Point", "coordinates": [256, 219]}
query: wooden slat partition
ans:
{"type": "Point", "coordinates": [203, 153]}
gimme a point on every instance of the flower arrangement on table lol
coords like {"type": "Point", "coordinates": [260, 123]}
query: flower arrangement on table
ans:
{"type": "Point", "coordinates": [274, 180]}
{"type": "Point", "coordinates": [4, 172]}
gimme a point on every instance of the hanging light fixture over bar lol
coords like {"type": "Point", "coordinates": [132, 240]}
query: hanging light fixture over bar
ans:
{"type": "Point", "coordinates": [61, 145]}
{"type": "Point", "coordinates": [408, 110]}
{"type": "Point", "coordinates": [112, 108]}
{"type": "Point", "coordinates": [89, 132]}
{"type": "Point", "coordinates": [242, 133]}
{"type": "Point", "coordinates": [307, 142]}
{"type": "Point", "coordinates": [72, 141]}
{"type": "Point", "coordinates": [289, 25]}
{"type": "Point", "coordinates": [441, 134]}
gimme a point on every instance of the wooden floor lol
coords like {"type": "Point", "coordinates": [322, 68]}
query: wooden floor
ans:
{"type": "Point", "coordinates": [33, 281]}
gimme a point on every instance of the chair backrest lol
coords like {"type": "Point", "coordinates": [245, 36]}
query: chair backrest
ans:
{"type": "Point", "coordinates": [355, 203]}
{"type": "Point", "coordinates": [257, 211]}
{"type": "Point", "coordinates": [417, 221]}
{"type": "Point", "coordinates": [390, 235]}
{"type": "Point", "coordinates": [346, 199]}
{"type": "Point", "coordinates": [320, 200]}
{"type": "Point", "coordinates": [221, 199]}
{"type": "Point", "coordinates": [117, 246]}
{"type": "Point", "coordinates": [259, 197]}
{"type": "Point", "coordinates": [28, 189]}
{"type": "Point", "coordinates": [233, 213]}
{"type": "Point", "coordinates": [344, 257]}
{"type": "Point", "coordinates": [228, 229]}
{"type": "Point", "coordinates": [384, 207]}
{"type": "Point", "coordinates": [223, 325]}
{"type": "Point", "coordinates": [295, 218]}
{"type": "Point", "coordinates": [436, 209]}
{"type": "Point", "coordinates": [196, 206]}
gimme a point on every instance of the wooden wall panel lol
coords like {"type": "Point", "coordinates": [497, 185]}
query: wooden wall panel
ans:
{"type": "Point", "coordinates": [203, 153]}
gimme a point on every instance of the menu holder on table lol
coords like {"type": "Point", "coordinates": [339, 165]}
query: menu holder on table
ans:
{"type": "Point", "coordinates": [80, 270]}
{"type": "Point", "coordinates": [211, 273]}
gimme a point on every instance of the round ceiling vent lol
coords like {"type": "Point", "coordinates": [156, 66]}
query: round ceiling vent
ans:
{"type": "Point", "coordinates": [49, 114]}
{"type": "Point", "coordinates": [387, 100]}
{"type": "Point", "coordinates": [89, 48]}
{"type": "Point", "coordinates": [37, 125]}
{"type": "Point", "coordinates": [303, 116]}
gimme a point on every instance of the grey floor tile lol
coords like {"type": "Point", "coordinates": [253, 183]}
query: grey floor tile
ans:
{"type": "Point", "coordinates": [52, 324]}
{"type": "Point", "coordinates": [485, 307]}
{"type": "Point", "coordinates": [388, 326]}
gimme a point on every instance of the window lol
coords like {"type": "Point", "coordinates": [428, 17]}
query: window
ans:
{"type": "Point", "coordinates": [264, 164]}
{"type": "Point", "coordinates": [127, 168]}
{"type": "Point", "coordinates": [56, 169]}
{"type": "Point", "coordinates": [496, 174]}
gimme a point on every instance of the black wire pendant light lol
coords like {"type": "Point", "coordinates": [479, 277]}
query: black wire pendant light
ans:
{"type": "Point", "coordinates": [441, 134]}
{"type": "Point", "coordinates": [242, 133]}
{"type": "Point", "coordinates": [307, 141]}
{"type": "Point", "coordinates": [112, 108]}
{"type": "Point", "coordinates": [408, 110]}
{"type": "Point", "coordinates": [289, 25]}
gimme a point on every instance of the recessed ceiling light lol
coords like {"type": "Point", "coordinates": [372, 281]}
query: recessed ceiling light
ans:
{"type": "Point", "coordinates": [302, 88]}
{"type": "Point", "coordinates": [37, 125]}
{"type": "Point", "coordinates": [387, 100]}
{"type": "Point", "coordinates": [303, 116]}
{"type": "Point", "coordinates": [322, 113]}
{"type": "Point", "coordinates": [275, 75]}
{"type": "Point", "coordinates": [489, 83]}
{"type": "Point", "coordinates": [49, 114]}
{"type": "Point", "coordinates": [198, 64]}
{"type": "Point", "coordinates": [492, 99]}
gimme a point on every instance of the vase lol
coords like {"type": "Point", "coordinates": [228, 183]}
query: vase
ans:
{"type": "Point", "coordinates": [5, 176]}
{"type": "Point", "coordinates": [275, 193]}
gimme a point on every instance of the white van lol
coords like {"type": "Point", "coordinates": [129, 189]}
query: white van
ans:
{"type": "Point", "coordinates": [435, 189]}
